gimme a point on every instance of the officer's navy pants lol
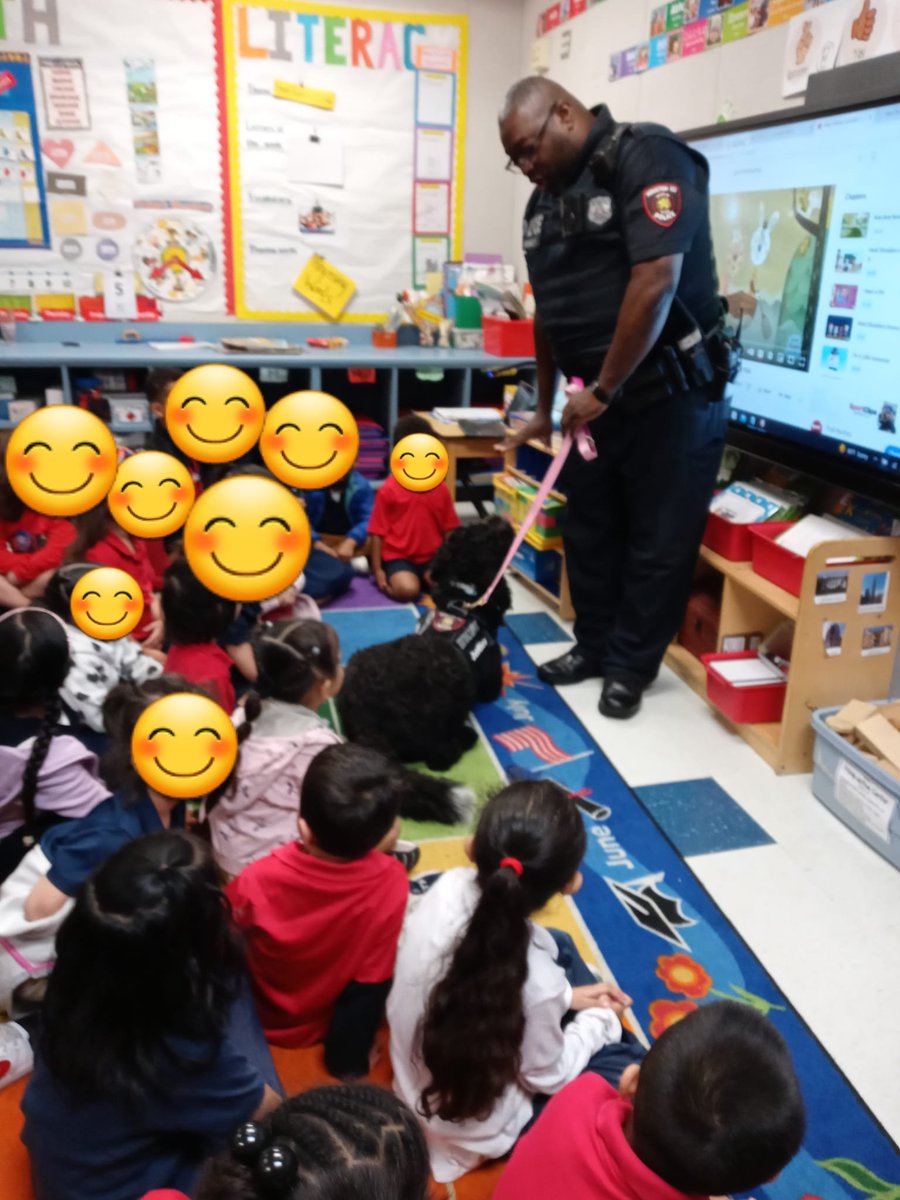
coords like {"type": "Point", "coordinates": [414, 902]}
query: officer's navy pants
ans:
{"type": "Point", "coordinates": [633, 528]}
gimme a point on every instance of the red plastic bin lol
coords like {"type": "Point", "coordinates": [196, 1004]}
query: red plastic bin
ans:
{"type": "Point", "coordinates": [508, 339]}
{"type": "Point", "coordinates": [730, 540]}
{"type": "Point", "coordinates": [772, 561]}
{"type": "Point", "coordinates": [742, 705]}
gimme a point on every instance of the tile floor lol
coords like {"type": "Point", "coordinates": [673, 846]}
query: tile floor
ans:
{"type": "Point", "coordinates": [818, 907]}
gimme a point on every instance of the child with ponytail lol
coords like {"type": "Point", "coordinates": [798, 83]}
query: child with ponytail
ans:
{"type": "Point", "coordinates": [46, 776]}
{"type": "Point", "coordinates": [479, 1011]}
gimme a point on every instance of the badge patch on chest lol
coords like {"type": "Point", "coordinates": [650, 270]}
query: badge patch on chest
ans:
{"type": "Point", "coordinates": [599, 209]}
{"type": "Point", "coordinates": [662, 203]}
{"type": "Point", "coordinates": [531, 235]}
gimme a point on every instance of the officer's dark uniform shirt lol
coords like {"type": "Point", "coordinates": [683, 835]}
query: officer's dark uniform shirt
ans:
{"type": "Point", "coordinates": [655, 206]}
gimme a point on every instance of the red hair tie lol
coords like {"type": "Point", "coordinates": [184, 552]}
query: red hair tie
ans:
{"type": "Point", "coordinates": [513, 864]}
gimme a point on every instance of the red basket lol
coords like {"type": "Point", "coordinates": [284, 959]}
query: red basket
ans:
{"type": "Point", "coordinates": [508, 339]}
{"type": "Point", "coordinates": [772, 561]}
{"type": "Point", "coordinates": [728, 539]}
{"type": "Point", "coordinates": [742, 705]}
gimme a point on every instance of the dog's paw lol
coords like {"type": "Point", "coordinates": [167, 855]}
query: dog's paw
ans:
{"type": "Point", "coordinates": [464, 801]}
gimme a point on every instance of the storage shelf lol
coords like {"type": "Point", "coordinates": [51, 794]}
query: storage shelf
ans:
{"type": "Point", "coordinates": [539, 590]}
{"type": "Point", "coordinates": [743, 574]}
{"type": "Point", "coordinates": [765, 739]}
{"type": "Point", "coordinates": [750, 602]}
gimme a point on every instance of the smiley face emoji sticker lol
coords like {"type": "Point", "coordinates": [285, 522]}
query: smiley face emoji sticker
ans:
{"type": "Point", "coordinates": [184, 745]}
{"type": "Point", "coordinates": [106, 603]}
{"type": "Point", "coordinates": [152, 494]}
{"type": "Point", "coordinates": [247, 538]}
{"type": "Point", "coordinates": [61, 460]}
{"type": "Point", "coordinates": [419, 462]}
{"type": "Point", "coordinates": [309, 440]}
{"type": "Point", "coordinates": [215, 413]}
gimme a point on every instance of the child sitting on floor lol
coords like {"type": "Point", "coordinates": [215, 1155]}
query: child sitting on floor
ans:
{"type": "Point", "coordinates": [714, 1109]}
{"type": "Point", "coordinates": [479, 1005]}
{"type": "Point", "coordinates": [195, 617]}
{"type": "Point", "coordinates": [322, 916]}
{"type": "Point", "coordinates": [32, 545]}
{"type": "Point", "coordinates": [299, 668]}
{"type": "Point", "coordinates": [36, 898]}
{"type": "Point", "coordinates": [99, 540]}
{"type": "Point", "coordinates": [46, 776]}
{"type": "Point", "coordinates": [346, 1141]}
{"type": "Point", "coordinates": [149, 1052]}
{"type": "Point", "coordinates": [341, 515]}
{"type": "Point", "coordinates": [407, 528]}
{"type": "Point", "coordinates": [95, 666]}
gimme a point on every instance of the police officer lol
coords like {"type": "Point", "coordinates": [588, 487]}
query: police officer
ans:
{"type": "Point", "coordinates": [619, 252]}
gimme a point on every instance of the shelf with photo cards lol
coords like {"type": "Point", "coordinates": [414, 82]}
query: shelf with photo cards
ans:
{"type": "Point", "coordinates": [844, 644]}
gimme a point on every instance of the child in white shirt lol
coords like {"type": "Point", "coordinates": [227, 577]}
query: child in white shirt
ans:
{"type": "Point", "coordinates": [479, 1002]}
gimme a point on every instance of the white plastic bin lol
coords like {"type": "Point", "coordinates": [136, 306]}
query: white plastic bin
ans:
{"type": "Point", "coordinates": [857, 791]}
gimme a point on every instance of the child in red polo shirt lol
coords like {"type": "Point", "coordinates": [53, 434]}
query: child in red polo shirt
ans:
{"type": "Point", "coordinates": [195, 618]}
{"type": "Point", "coordinates": [714, 1109]}
{"type": "Point", "coordinates": [322, 916]}
{"type": "Point", "coordinates": [100, 540]}
{"type": "Point", "coordinates": [407, 528]}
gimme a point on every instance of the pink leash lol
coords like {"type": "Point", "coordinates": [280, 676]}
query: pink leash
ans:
{"type": "Point", "coordinates": [588, 452]}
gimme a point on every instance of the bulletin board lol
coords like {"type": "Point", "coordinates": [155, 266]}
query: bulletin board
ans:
{"type": "Point", "coordinates": [345, 163]}
{"type": "Point", "coordinates": [111, 182]}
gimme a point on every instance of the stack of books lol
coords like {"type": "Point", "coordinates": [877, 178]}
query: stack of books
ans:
{"type": "Point", "coordinates": [750, 503]}
{"type": "Point", "coordinates": [373, 449]}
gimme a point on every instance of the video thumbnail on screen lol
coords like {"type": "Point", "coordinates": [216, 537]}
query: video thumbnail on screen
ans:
{"type": "Point", "coordinates": [771, 243]}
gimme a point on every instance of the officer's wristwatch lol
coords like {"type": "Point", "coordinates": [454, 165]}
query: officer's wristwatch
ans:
{"type": "Point", "coordinates": [601, 394]}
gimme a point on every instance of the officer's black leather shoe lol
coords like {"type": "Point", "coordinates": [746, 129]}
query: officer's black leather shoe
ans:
{"type": "Point", "coordinates": [569, 668]}
{"type": "Point", "coordinates": [620, 699]}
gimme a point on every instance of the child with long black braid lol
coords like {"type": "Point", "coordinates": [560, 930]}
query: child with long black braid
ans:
{"type": "Point", "coordinates": [46, 775]}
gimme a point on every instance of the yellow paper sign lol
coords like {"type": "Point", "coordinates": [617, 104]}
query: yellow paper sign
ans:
{"type": "Point", "coordinates": [314, 97]}
{"type": "Point", "coordinates": [325, 287]}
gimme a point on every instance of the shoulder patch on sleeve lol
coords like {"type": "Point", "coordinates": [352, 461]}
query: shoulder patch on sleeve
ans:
{"type": "Point", "coordinates": [662, 203]}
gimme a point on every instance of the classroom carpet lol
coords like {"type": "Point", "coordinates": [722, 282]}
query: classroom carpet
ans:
{"type": "Point", "coordinates": [644, 917]}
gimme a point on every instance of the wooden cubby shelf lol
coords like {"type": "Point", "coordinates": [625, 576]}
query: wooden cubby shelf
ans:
{"type": "Point", "coordinates": [752, 604]}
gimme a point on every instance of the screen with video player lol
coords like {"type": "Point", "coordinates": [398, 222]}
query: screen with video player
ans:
{"type": "Point", "coordinates": [806, 217]}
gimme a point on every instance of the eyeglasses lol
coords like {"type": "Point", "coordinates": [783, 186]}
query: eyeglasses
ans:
{"type": "Point", "coordinates": [514, 162]}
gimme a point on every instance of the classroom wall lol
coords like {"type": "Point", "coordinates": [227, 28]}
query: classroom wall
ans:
{"type": "Point", "coordinates": [497, 43]}
{"type": "Point", "coordinates": [741, 79]}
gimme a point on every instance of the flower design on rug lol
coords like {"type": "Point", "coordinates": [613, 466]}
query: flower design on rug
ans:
{"type": "Point", "coordinates": [680, 973]}
{"type": "Point", "coordinates": [665, 1013]}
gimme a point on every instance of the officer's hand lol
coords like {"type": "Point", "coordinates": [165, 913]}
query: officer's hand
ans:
{"type": "Point", "coordinates": [582, 407]}
{"type": "Point", "coordinates": [539, 428]}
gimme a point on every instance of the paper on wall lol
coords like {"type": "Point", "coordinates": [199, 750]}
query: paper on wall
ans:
{"type": "Point", "coordinates": [324, 286]}
{"type": "Point", "coordinates": [870, 29]}
{"type": "Point", "coordinates": [434, 102]}
{"type": "Point", "coordinates": [65, 94]}
{"type": "Point", "coordinates": [434, 149]}
{"type": "Point", "coordinates": [119, 299]}
{"type": "Point", "coordinates": [430, 254]}
{"type": "Point", "coordinates": [432, 208]}
{"type": "Point", "coordinates": [813, 41]}
{"type": "Point", "coordinates": [314, 159]}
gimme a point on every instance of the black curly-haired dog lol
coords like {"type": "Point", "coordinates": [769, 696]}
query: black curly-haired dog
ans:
{"type": "Point", "coordinates": [412, 697]}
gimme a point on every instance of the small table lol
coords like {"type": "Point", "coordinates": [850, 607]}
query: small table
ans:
{"type": "Point", "coordinates": [460, 445]}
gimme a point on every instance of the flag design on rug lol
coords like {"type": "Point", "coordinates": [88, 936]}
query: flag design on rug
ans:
{"type": "Point", "coordinates": [530, 737]}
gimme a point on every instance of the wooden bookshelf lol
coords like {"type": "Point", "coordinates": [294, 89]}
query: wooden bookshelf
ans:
{"type": "Point", "coordinates": [751, 603]}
